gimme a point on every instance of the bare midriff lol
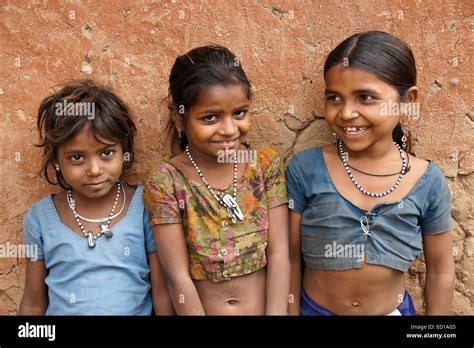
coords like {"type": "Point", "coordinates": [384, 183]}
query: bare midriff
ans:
{"type": "Point", "coordinates": [244, 295]}
{"type": "Point", "coordinates": [370, 290]}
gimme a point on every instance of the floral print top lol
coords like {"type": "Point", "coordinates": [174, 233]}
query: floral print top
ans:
{"type": "Point", "coordinates": [217, 248]}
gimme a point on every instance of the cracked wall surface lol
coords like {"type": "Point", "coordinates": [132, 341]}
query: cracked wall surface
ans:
{"type": "Point", "coordinates": [131, 46]}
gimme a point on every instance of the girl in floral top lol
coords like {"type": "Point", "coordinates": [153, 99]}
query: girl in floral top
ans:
{"type": "Point", "coordinates": [218, 206]}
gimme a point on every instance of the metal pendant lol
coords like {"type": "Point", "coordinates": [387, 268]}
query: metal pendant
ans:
{"type": "Point", "coordinates": [233, 208]}
{"type": "Point", "coordinates": [90, 239]}
{"type": "Point", "coordinates": [105, 230]}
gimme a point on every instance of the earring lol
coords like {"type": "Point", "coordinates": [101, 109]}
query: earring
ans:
{"type": "Point", "coordinates": [57, 167]}
{"type": "Point", "coordinates": [404, 136]}
{"type": "Point", "coordinates": [179, 134]}
{"type": "Point", "coordinates": [126, 157]}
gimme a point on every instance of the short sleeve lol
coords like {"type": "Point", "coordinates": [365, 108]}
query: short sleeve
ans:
{"type": "Point", "coordinates": [295, 187]}
{"type": "Point", "coordinates": [437, 216]}
{"type": "Point", "coordinates": [274, 176]}
{"type": "Point", "coordinates": [150, 245]}
{"type": "Point", "coordinates": [159, 197]}
{"type": "Point", "coordinates": [32, 235]}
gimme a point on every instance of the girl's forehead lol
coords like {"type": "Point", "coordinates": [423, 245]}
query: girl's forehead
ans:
{"type": "Point", "coordinates": [218, 94]}
{"type": "Point", "coordinates": [347, 77]}
{"type": "Point", "coordinates": [86, 139]}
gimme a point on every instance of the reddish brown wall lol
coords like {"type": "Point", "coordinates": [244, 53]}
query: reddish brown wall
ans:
{"type": "Point", "coordinates": [131, 46]}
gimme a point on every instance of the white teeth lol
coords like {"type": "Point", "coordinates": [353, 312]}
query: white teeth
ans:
{"type": "Point", "coordinates": [354, 130]}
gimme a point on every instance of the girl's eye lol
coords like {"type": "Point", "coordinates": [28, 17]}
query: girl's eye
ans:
{"type": "Point", "coordinates": [108, 153]}
{"type": "Point", "coordinates": [366, 98]}
{"type": "Point", "coordinates": [241, 113]}
{"type": "Point", "coordinates": [76, 158]}
{"type": "Point", "coordinates": [210, 118]}
{"type": "Point", "coordinates": [333, 98]}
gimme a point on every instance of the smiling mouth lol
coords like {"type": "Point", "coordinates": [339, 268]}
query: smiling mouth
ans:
{"type": "Point", "coordinates": [354, 130]}
{"type": "Point", "coordinates": [227, 142]}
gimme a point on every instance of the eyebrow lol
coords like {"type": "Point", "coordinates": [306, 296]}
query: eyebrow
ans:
{"type": "Point", "coordinates": [217, 111]}
{"type": "Point", "coordinates": [359, 91]}
{"type": "Point", "coordinates": [81, 151]}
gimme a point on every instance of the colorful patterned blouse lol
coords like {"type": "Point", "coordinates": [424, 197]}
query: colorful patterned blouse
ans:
{"type": "Point", "coordinates": [219, 249]}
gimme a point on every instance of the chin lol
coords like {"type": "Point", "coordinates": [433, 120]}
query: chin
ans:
{"type": "Point", "coordinates": [355, 146]}
{"type": "Point", "coordinates": [96, 192]}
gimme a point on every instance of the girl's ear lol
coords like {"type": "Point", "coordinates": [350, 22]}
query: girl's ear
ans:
{"type": "Point", "coordinates": [411, 95]}
{"type": "Point", "coordinates": [177, 118]}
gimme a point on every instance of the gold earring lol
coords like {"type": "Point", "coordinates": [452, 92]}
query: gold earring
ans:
{"type": "Point", "coordinates": [57, 167]}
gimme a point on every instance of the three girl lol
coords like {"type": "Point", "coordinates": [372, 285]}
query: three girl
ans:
{"type": "Point", "coordinates": [220, 222]}
{"type": "Point", "coordinates": [96, 254]}
{"type": "Point", "coordinates": [364, 208]}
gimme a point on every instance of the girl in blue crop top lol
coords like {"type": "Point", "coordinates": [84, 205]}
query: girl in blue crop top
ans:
{"type": "Point", "coordinates": [93, 249]}
{"type": "Point", "coordinates": [365, 208]}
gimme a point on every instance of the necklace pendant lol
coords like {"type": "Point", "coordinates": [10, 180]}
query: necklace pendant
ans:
{"type": "Point", "coordinates": [233, 208]}
{"type": "Point", "coordinates": [90, 239]}
{"type": "Point", "coordinates": [105, 230]}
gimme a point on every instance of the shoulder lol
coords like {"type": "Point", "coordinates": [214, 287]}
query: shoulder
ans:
{"type": "Point", "coordinates": [161, 170]}
{"type": "Point", "coordinates": [40, 214]}
{"type": "Point", "coordinates": [436, 177]}
{"type": "Point", "coordinates": [427, 169]}
{"type": "Point", "coordinates": [40, 208]}
{"type": "Point", "coordinates": [305, 157]}
{"type": "Point", "coordinates": [161, 180]}
{"type": "Point", "coordinates": [433, 185]}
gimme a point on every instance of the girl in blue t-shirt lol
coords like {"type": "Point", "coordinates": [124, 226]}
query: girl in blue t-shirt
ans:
{"type": "Point", "coordinates": [94, 252]}
{"type": "Point", "coordinates": [364, 208]}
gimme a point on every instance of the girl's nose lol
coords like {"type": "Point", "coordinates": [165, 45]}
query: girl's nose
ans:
{"type": "Point", "coordinates": [228, 127]}
{"type": "Point", "coordinates": [348, 112]}
{"type": "Point", "coordinates": [94, 168]}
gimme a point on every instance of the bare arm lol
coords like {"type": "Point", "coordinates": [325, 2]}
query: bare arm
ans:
{"type": "Point", "coordinates": [162, 303]}
{"type": "Point", "coordinates": [35, 295]}
{"type": "Point", "coordinates": [438, 251]}
{"type": "Point", "coordinates": [278, 269]}
{"type": "Point", "coordinates": [295, 260]}
{"type": "Point", "coordinates": [170, 242]}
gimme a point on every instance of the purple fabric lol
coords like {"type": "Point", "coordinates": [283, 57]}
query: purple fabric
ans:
{"type": "Point", "coordinates": [310, 308]}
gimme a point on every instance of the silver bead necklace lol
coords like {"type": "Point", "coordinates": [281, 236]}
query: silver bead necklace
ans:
{"type": "Point", "coordinates": [104, 227]}
{"type": "Point", "coordinates": [233, 209]}
{"type": "Point", "coordinates": [72, 205]}
{"type": "Point", "coordinates": [356, 183]}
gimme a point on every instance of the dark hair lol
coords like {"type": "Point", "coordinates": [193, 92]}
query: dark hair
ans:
{"type": "Point", "coordinates": [111, 121]}
{"type": "Point", "coordinates": [193, 72]}
{"type": "Point", "coordinates": [382, 55]}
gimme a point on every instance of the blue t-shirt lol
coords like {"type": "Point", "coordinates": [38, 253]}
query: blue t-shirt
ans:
{"type": "Point", "coordinates": [337, 235]}
{"type": "Point", "coordinates": [111, 279]}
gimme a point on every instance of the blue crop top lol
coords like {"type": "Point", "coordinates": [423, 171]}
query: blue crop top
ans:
{"type": "Point", "coordinates": [111, 279]}
{"type": "Point", "coordinates": [333, 230]}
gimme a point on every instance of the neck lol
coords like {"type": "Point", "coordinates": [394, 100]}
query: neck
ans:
{"type": "Point", "coordinates": [84, 203]}
{"type": "Point", "coordinates": [207, 161]}
{"type": "Point", "coordinates": [381, 150]}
